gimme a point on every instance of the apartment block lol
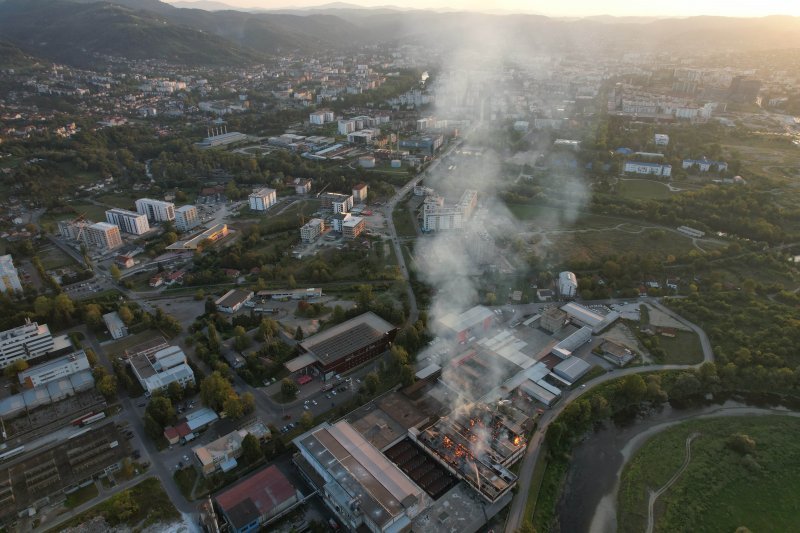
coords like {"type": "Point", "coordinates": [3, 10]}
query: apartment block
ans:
{"type": "Point", "coordinates": [263, 199]}
{"type": "Point", "coordinates": [53, 370]}
{"type": "Point", "coordinates": [438, 216]}
{"type": "Point", "coordinates": [9, 277]}
{"type": "Point", "coordinates": [336, 203]}
{"type": "Point", "coordinates": [353, 227]}
{"type": "Point", "coordinates": [24, 342]}
{"type": "Point", "coordinates": [156, 210]}
{"type": "Point", "coordinates": [128, 221]}
{"type": "Point", "coordinates": [103, 235]}
{"type": "Point", "coordinates": [186, 218]}
{"type": "Point", "coordinates": [312, 229]}
{"type": "Point", "coordinates": [360, 192]}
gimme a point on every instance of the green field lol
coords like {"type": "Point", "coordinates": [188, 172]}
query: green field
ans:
{"type": "Point", "coordinates": [403, 223]}
{"type": "Point", "coordinates": [92, 212]}
{"type": "Point", "coordinates": [683, 349]}
{"type": "Point", "coordinates": [643, 189]}
{"type": "Point", "coordinates": [52, 257]}
{"type": "Point", "coordinates": [721, 490]}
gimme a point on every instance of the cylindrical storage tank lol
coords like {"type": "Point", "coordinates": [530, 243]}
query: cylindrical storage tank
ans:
{"type": "Point", "coordinates": [366, 161]}
{"type": "Point", "coordinates": [396, 163]}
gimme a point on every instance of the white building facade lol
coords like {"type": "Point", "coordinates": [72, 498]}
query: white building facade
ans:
{"type": "Point", "coordinates": [156, 210]}
{"type": "Point", "coordinates": [128, 221]}
{"type": "Point", "coordinates": [263, 199]}
{"type": "Point", "coordinates": [9, 277]}
{"type": "Point", "coordinates": [24, 342]}
{"type": "Point", "coordinates": [186, 218]}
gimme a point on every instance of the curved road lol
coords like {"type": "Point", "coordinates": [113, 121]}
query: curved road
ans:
{"type": "Point", "coordinates": [655, 494]}
{"type": "Point", "coordinates": [515, 515]}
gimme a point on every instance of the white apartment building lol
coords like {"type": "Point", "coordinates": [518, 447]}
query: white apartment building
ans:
{"type": "Point", "coordinates": [24, 342]}
{"type": "Point", "coordinates": [103, 235]}
{"type": "Point", "coordinates": [186, 218]}
{"type": "Point", "coordinates": [156, 210]}
{"type": "Point", "coordinates": [346, 127]}
{"type": "Point", "coordinates": [157, 370]}
{"type": "Point", "coordinates": [655, 169]}
{"type": "Point", "coordinates": [661, 139]}
{"type": "Point", "coordinates": [337, 203]}
{"type": "Point", "coordinates": [52, 370]}
{"type": "Point", "coordinates": [128, 221]}
{"type": "Point", "coordinates": [320, 117]}
{"type": "Point", "coordinates": [437, 216]}
{"type": "Point", "coordinates": [263, 199]}
{"type": "Point", "coordinates": [9, 277]}
{"type": "Point", "coordinates": [312, 229]}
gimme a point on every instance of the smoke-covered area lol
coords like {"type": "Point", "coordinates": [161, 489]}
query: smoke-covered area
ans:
{"type": "Point", "coordinates": [455, 262]}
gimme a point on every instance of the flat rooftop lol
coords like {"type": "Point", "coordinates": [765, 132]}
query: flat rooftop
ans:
{"type": "Point", "coordinates": [360, 469]}
{"type": "Point", "coordinates": [347, 337]}
{"type": "Point", "coordinates": [388, 419]}
{"type": "Point", "coordinates": [233, 297]}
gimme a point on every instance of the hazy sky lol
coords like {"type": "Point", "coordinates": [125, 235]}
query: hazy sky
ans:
{"type": "Point", "coordinates": [732, 8]}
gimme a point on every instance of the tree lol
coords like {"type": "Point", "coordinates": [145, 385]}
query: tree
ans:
{"type": "Point", "coordinates": [107, 386]}
{"type": "Point", "coordinates": [175, 391]}
{"type": "Point", "coordinates": [214, 390]}
{"type": "Point", "coordinates": [633, 389]}
{"type": "Point", "coordinates": [291, 282]}
{"type": "Point", "coordinates": [160, 409]}
{"type": "Point", "coordinates": [251, 449]}
{"type": "Point", "coordinates": [93, 315]}
{"type": "Point", "coordinates": [741, 444]}
{"type": "Point", "coordinates": [399, 357]}
{"type": "Point", "coordinates": [199, 294]}
{"type": "Point", "coordinates": [248, 402]}
{"type": "Point", "coordinates": [307, 420]}
{"type": "Point", "coordinates": [233, 406]}
{"type": "Point", "coordinates": [15, 368]}
{"type": "Point", "coordinates": [169, 237]}
{"type": "Point", "coordinates": [371, 382]}
{"type": "Point", "coordinates": [289, 389]}
{"type": "Point", "coordinates": [213, 338]}
{"type": "Point", "coordinates": [298, 334]}
{"type": "Point", "coordinates": [241, 342]}
{"type": "Point", "coordinates": [125, 314]}
{"type": "Point", "coordinates": [64, 307]}
{"type": "Point", "coordinates": [116, 273]}
{"type": "Point", "coordinates": [43, 306]}
{"type": "Point", "coordinates": [406, 375]}
{"type": "Point", "coordinates": [268, 329]}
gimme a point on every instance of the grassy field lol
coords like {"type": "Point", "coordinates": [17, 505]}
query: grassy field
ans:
{"type": "Point", "coordinates": [683, 349]}
{"type": "Point", "coordinates": [403, 222]}
{"type": "Point", "coordinates": [81, 496]}
{"type": "Point", "coordinates": [643, 189]}
{"type": "Point", "coordinates": [720, 490]}
{"type": "Point", "coordinates": [142, 505]}
{"type": "Point", "coordinates": [94, 213]}
{"type": "Point", "coordinates": [52, 257]}
{"type": "Point", "coordinates": [123, 201]}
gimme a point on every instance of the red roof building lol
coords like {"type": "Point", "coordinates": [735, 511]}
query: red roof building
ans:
{"type": "Point", "coordinates": [253, 502]}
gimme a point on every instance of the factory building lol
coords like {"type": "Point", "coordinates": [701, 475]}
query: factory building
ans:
{"type": "Point", "coordinates": [553, 319]}
{"type": "Point", "coordinates": [572, 369]}
{"type": "Point", "coordinates": [128, 221]}
{"type": "Point", "coordinates": [565, 348]}
{"type": "Point", "coordinates": [344, 346]}
{"type": "Point", "coordinates": [156, 210]}
{"type": "Point", "coordinates": [364, 489]}
{"type": "Point", "coordinates": [262, 199]}
{"type": "Point", "coordinates": [254, 502]}
{"type": "Point", "coordinates": [186, 218]}
{"type": "Point", "coordinates": [583, 316]}
{"type": "Point", "coordinates": [61, 367]}
{"type": "Point", "coordinates": [155, 370]}
{"type": "Point", "coordinates": [233, 300]}
{"type": "Point", "coordinates": [116, 327]}
{"type": "Point", "coordinates": [475, 322]}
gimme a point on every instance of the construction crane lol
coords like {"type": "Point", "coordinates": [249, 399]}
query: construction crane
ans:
{"type": "Point", "coordinates": [323, 190]}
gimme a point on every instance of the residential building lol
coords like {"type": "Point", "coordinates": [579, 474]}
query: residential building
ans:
{"type": "Point", "coordinates": [338, 220]}
{"type": "Point", "coordinates": [345, 345]}
{"type": "Point", "coordinates": [704, 165]}
{"type": "Point", "coordinates": [25, 342]}
{"type": "Point", "coordinates": [360, 192]}
{"type": "Point", "coordinates": [103, 235]}
{"type": "Point", "coordinates": [155, 370]}
{"type": "Point", "coordinates": [437, 216]}
{"type": "Point", "coordinates": [744, 89]}
{"type": "Point", "coordinates": [253, 502]}
{"type": "Point", "coordinates": [221, 454]}
{"type": "Point", "coordinates": [346, 126]}
{"type": "Point", "coordinates": [567, 285]}
{"type": "Point", "coordinates": [233, 300]}
{"type": "Point", "coordinates": [302, 185]}
{"type": "Point", "coordinates": [336, 202]}
{"type": "Point", "coordinates": [186, 218]}
{"type": "Point", "coordinates": [360, 485]}
{"type": "Point", "coordinates": [128, 221]}
{"type": "Point", "coordinates": [263, 199]}
{"type": "Point", "coordinates": [655, 169]}
{"type": "Point", "coordinates": [9, 277]}
{"type": "Point", "coordinates": [661, 139]}
{"type": "Point", "coordinates": [116, 327]}
{"type": "Point", "coordinates": [353, 227]}
{"type": "Point", "coordinates": [124, 261]}
{"type": "Point", "coordinates": [312, 229]}
{"type": "Point", "coordinates": [427, 145]}
{"type": "Point", "coordinates": [62, 367]}
{"type": "Point", "coordinates": [320, 117]}
{"type": "Point", "coordinates": [362, 136]}
{"type": "Point", "coordinates": [156, 210]}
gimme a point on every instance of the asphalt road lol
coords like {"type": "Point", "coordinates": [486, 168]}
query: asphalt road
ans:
{"type": "Point", "coordinates": [515, 515]}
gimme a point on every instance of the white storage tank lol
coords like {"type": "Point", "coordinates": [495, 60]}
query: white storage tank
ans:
{"type": "Point", "coordinates": [366, 161]}
{"type": "Point", "coordinates": [396, 163]}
